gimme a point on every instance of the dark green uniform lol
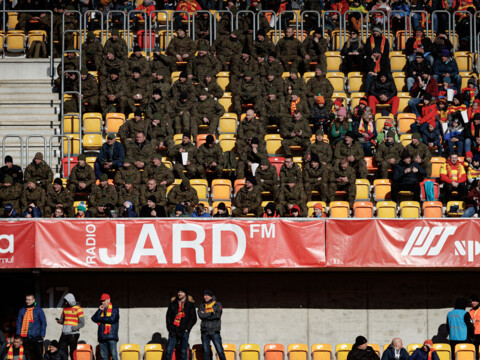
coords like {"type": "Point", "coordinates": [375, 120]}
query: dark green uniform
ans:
{"type": "Point", "coordinates": [41, 173]}
{"type": "Point", "coordinates": [185, 87]}
{"type": "Point", "coordinates": [140, 152]}
{"type": "Point", "coordinates": [116, 47]}
{"type": "Point", "coordinates": [297, 139]}
{"type": "Point", "coordinates": [206, 156]}
{"type": "Point", "coordinates": [226, 48]}
{"type": "Point", "coordinates": [161, 106]}
{"type": "Point", "coordinates": [127, 171]}
{"type": "Point", "coordinates": [37, 195]}
{"type": "Point", "coordinates": [248, 157]}
{"type": "Point", "coordinates": [209, 109]}
{"type": "Point", "coordinates": [130, 128]}
{"type": "Point", "coordinates": [62, 197]}
{"type": "Point", "coordinates": [342, 151]}
{"type": "Point", "coordinates": [202, 65]}
{"type": "Point", "coordinates": [267, 180]}
{"type": "Point", "coordinates": [131, 195]}
{"type": "Point", "coordinates": [90, 101]}
{"type": "Point", "coordinates": [182, 108]}
{"type": "Point", "coordinates": [422, 150]}
{"type": "Point", "coordinates": [316, 50]}
{"type": "Point", "coordinates": [176, 154]}
{"type": "Point", "coordinates": [246, 131]}
{"type": "Point", "coordinates": [81, 174]}
{"type": "Point", "coordinates": [250, 199]}
{"type": "Point", "coordinates": [292, 196]}
{"type": "Point", "coordinates": [246, 92]}
{"type": "Point", "coordinates": [336, 185]}
{"type": "Point", "coordinates": [322, 149]}
{"type": "Point", "coordinates": [240, 65]}
{"type": "Point", "coordinates": [140, 62]}
{"type": "Point", "coordinates": [214, 90]}
{"type": "Point", "coordinates": [11, 195]}
{"type": "Point", "coordinates": [159, 173]}
{"type": "Point", "coordinates": [108, 65]}
{"type": "Point", "coordinates": [273, 65]}
{"type": "Point", "coordinates": [101, 196]}
{"type": "Point", "coordinates": [160, 131]}
{"type": "Point", "coordinates": [179, 194]}
{"type": "Point", "coordinates": [311, 180]}
{"type": "Point", "coordinates": [293, 171]}
{"type": "Point", "coordinates": [140, 86]}
{"type": "Point", "coordinates": [180, 46]}
{"type": "Point", "coordinates": [385, 152]}
{"type": "Point", "coordinates": [92, 51]}
{"type": "Point", "coordinates": [117, 88]}
{"type": "Point", "coordinates": [160, 193]}
{"type": "Point", "coordinates": [289, 50]}
{"type": "Point", "coordinates": [320, 85]}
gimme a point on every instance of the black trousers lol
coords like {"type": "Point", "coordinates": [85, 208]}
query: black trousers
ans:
{"type": "Point", "coordinates": [35, 346]}
{"type": "Point", "coordinates": [67, 342]}
{"type": "Point", "coordinates": [396, 188]}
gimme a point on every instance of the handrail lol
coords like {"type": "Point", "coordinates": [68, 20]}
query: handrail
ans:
{"type": "Point", "coordinates": [125, 20]}
{"type": "Point", "coordinates": [340, 28]}
{"type": "Point", "coordinates": [27, 147]}
{"type": "Point", "coordinates": [79, 94]}
{"type": "Point", "coordinates": [215, 21]}
{"type": "Point", "coordinates": [470, 29]}
{"type": "Point", "coordinates": [449, 22]}
{"type": "Point", "coordinates": [155, 19]}
{"type": "Point", "coordinates": [130, 46]}
{"type": "Point", "coordinates": [345, 24]}
{"type": "Point", "coordinates": [275, 21]}
{"type": "Point", "coordinates": [172, 21]}
{"type": "Point", "coordinates": [21, 146]}
{"type": "Point", "coordinates": [210, 16]}
{"type": "Point", "coordinates": [296, 21]}
{"type": "Point", "coordinates": [246, 12]}
{"type": "Point", "coordinates": [393, 12]}
{"type": "Point", "coordinates": [411, 23]}
{"type": "Point", "coordinates": [85, 21]}
{"type": "Point", "coordinates": [371, 12]}
{"type": "Point", "coordinates": [61, 148]}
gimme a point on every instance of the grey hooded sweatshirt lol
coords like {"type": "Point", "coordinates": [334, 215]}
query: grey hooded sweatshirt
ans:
{"type": "Point", "coordinates": [68, 329]}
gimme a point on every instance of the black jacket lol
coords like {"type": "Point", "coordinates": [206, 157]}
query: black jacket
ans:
{"type": "Point", "coordinates": [415, 69]}
{"type": "Point", "coordinates": [15, 172]}
{"type": "Point", "coordinates": [402, 178]}
{"type": "Point", "coordinates": [57, 355]}
{"type": "Point", "coordinates": [145, 211]}
{"type": "Point", "coordinates": [389, 353]}
{"type": "Point", "coordinates": [367, 354]}
{"type": "Point", "coordinates": [211, 322]}
{"type": "Point", "coordinates": [388, 88]}
{"type": "Point", "coordinates": [186, 322]}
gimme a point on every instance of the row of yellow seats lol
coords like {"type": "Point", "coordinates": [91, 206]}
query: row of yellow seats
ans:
{"type": "Point", "coordinates": [18, 41]}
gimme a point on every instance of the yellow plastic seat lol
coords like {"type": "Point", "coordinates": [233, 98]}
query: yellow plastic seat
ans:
{"type": "Point", "coordinates": [12, 20]}
{"type": "Point", "coordinates": [398, 61]}
{"type": "Point", "coordinates": [342, 350]}
{"type": "Point", "coordinates": [274, 352]}
{"type": "Point", "coordinates": [221, 189]}
{"type": "Point", "coordinates": [337, 79]}
{"type": "Point", "coordinates": [36, 35]}
{"type": "Point", "coordinates": [375, 348]}
{"type": "Point", "coordinates": [355, 99]}
{"type": "Point", "coordinates": [175, 182]}
{"type": "Point", "coordinates": [153, 352]}
{"type": "Point", "coordinates": [113, 121]}
{"type": "Point", "coordinates": [308, 75]}
{"type": "Point", "coordinates": [226, 101]}
{"type": "Point", "coordinates": [249, 352]}
{"type": "Point", "coordinates": [380, 121]}
{"type": "Point", "coordinates": [399, 78]}
{"type": "Point", "coordinates": [404, 121]}
{"type": "Point", "coordinates": [459, 204]}
{"type": "Point", "coordinates": [297, 352]}
{"type": "Point", "coordinates": [382, 189]}
{"type": "Point", "coordinates": [432, 209]}
{"type": "Point", "coordinates": [334, 60]}
{"type": "Point", "coordinates": [362, 209]}
{"type": "Point", "coordinates": [92, 122]}
{"type": "Point", "coordinates": [321, 352]}
{"type": "Point", "coordinates": [175, 76]}
{"type": "Point", "coordinates": [74, 141]}
{"type": "Point", "coordinates": [466, 75]}
{"type": "Point", "coordinates": [363, 189]}
{"type": "Point", "coordinates": [223, 79]}
{"type": "Point", "coordinates": [71, 124]}
{"type": "Point", "coordinates": [310, 206]}
{"type": "Point", "coordinates": [443, 351]}
{"type": "Point", "coordinates": [355, 81]}
{"type": "Point", "coordinates": [2, 41]}
{"type": "Point", "coordinates": [464, 352]}
{"type": "Point", "coordinates": [129, 352]}
{"type": "Point", "coordinates": [237, 185]}
{"type": "Point", "coordinates": [274, 144]}
{"type": "Point", "coordinates": [337, 43]}
{"type": "Point", "coordinates": [412, 347]}
{"type": "Point", "coordinates": [91, 161]}
{"type": "Point", "coordinates": [404, 98]}
{"type": "Point", "coordinates": [405, 139]}
{"type": "Point", "coordinates": [409, 210]}
{"type": "Point", "coordinates": [201, 185]}
{"type": "Point", "coordinates": [386, 209]}
{"type": "Point", "coordinates": [228, 124]}
{"type": "Point", "coordinates": [227, 141]}
{"type": "Point", "coordinates": [339, 209]}
{"type": "Point", "coordinates": [15, 41]}
{"type": "Point", "coordinates": [464, 60]}
{"type": "Point", "coordinates": [92, 141]}
{"type": "Point", "coordinates": [437, 163]}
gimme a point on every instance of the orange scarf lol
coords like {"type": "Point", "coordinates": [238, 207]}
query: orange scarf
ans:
{"type": "Point", "coordinates": [418, 42]}
{"type": "Point", "coordinates": [293, 106]}
{"type": "Point", "coordinates": [27, 319]}
{"type": "Point", "coordinates": [382, 46]}
{"type": "Point", "coordinates": [180, 314]}
{"type": "Point", "coordinates": [10, 353]}
{"type": "Point", "coordinates": [108, 327]}
{"type": "Point", "coordinates": [209, 307]}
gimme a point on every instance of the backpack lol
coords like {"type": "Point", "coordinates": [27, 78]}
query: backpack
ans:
{"type": "Point", "coordinates": [230, 161]}
{"type": "Point", "coordinates": [38, 49]}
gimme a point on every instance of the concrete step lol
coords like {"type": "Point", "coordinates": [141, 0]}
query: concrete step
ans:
{"type": "Point", "coordinates": [38, 109]}
{"type": "Point", "coordinates": [31, 118]}
{"type": "Point", "coordinates": [33, 98]}
{"type": "Point", "coordinates": [25, 89]}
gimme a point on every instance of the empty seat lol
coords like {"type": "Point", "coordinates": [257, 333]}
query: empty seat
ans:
{"type": "Point", "coordinates": [382, 189]}
{"type": "Point", "coordinates": [355, 81]}
{"type": "Point", "coordinates": [113, 121]}
{"type": "Point", "coordinates": [71, 124]}
{"type": "Point", "coordinates": [74, 143]}
{"type": "Point", "coordinates": [221, 189]}
{"type": "Point", "coordinates": [464, 352]}
{"type": "Point", "coordinates": [437, 163]}
{"type": "Point", "coordinates": [92, 122]}
{"type": "Point", "coordinates": [342, 350]}
{"type": "Point", "coordinates": [15, 41]}
{"type": "Point", "coordinates": [400, 81]}
{"type": "Point", "coordinates": [226, 101]}
{"type": "Point", "coordinates": [297, 352]}
{"type": "Point", "coordinates": [464, 60]}
{"type": "Point", "coordinates": [274, 144]}
{"type": "Point", "coordinates": [398, 61]}
{"type": "Point", "coordinates": [404, 121]}
{"type": "Point", "coordinates": [339, 209]}
{"type": "Point", "coordinates": [237, 185]}
{"type": "Point", "coordinates": [363, 189]}
{"type": "Point", "coordinates": [201, 185]}
{"type": "Point", "coordinates": [223, 79]}
{"type": "Point", "coordinates": [409, 209]}
{"type": "Point", "coordinates": [228, 124]}
{"type": "Point", "coordinates": [405, 139]}
{"type": "Point", "coordinates": [404, 98]}
{"type": "Point", "coordinates": [443, 351]}
{"type": "Point", "coordinates": [153, 352]}
{"type": "Point", "coordinates": [337, 80]}
{"type": "Point", "coordinates": [321, 352]}
{"type": "Point", "coordinates": [277, 162]}
{"type": "Point", "coordinates": [227, 141]}
{"type": "Point", "coordinates": [92, 141]}
{"type": "Point", "coordinates": [362, 209]}
{"type": "Point", "coordinates": [432, 209]}
{"type": "Point", "coordinates": [334, 60]}
{"type": "Point", "coordinates": [249, 352]}
{"type": "Point", "coordinates": [274, 352]}
{"type": "Point", "coordinates": [36, 35]}
{"type": "Point", "coordinates": [129, 352]}
{"type": "Point", "coordinates": [83, 351]}
{"type": "Point", "coordinates": [372, 166]}
{"type": "Point", "coordinates": [386, 209]}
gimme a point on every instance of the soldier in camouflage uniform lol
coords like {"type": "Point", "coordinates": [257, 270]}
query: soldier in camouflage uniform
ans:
{"type": "Point", "coordinates": [152, 188]}
{"type": "Point", "coordinates": [160, 131]}
{"type": "Point", "coordinates": [138, 60]}
{"type": "Point", "coordinates": [316, 178]}
{"type": "Point", "coordinates": [159, 171]}
{"type": "Point", "coordinates": [90, 101]}
{"type": "Point", "coordinates": [389, 154]}
{"type": "Point", "coordinates": [116, 45]}
{"type": "Point", "coordinates": [183, 85]}
{"type": "Point", "coordinates": [206, 112]}
{"type": "Point", "coordinates": [267, 178]}
{"type": "Point", "coordinates": [248, 199]}
{"type": "Point", "coordinates": [82, 176]}
{"type": "Point", "coordinates": [202, 29]}
{"type": "Point", "coordinates": [33, 193]}
{"type": "Point", "coordinates": [109, 63]}
{"type": "Point", "coordinates": [295, 83]}
{"type": "Point", "coordinates": [39, 171]}
{"type": "Point", "coordinates": [202, 64]}
{"type": "Point", "coordinates": [314, 48]}
{"type": "Point", "coordinates": [289, 49]}
{"type": "Point", "coordinates": [296, 102]}
{"type": "Point", "coordinates": [295, 132]}
{"type": "Point", "coordinates": [159, 104]}
{"type": "Point", "coordinates": [250, 127]}
{"type": "Point", "coordinates": [176, 153]}
{"type": "Point", "coordinates": [261, 47]}
{"type": "Point", "coordinates": [128, 192]}
{"type": "Point", "coordinates": [271, 63]}
{"type": "Point", "coordinates": [92, 50]}
{"type": "Point", "coordinates": [183, 109]}
{"type": "Point", "coordinates": [139, 90]}
{"type": "Point", "coordinates": [114, 93]}
{"type": "Point", "coordinates": [210, 157]}
{"type": "Point", "coordinates": [10, 193]}
{"type": "Point", "coordinates": [183, 194]}
{"type": "Point", "coordinates": [290, 168]}
{"type": "Point", "coordinates": [129, 129]}
{"type": "Point", "coordinates": [160, 64]}
{"type": "Point", "coordinates": [246, 91]}
{"type": "Point", "coordinates": [162, 82]}
{"type": "Point", "coordinates": [417, 147]}
{"type": "Point", "coordinates": [102, 194]}
{"type": "Point", "coordinates": [320, 85]}
{"type": "Point", "coordinates": [209, 83]}
{"type": "Point", "coordinates": [140, 151]}
{"type": "Point", "coordinates": [321, 148]}
{"type": "Point", "coordinates": [241, 64]}
{"type": "Point", "coordinates": [57, 195]}
{"type": "Point", "coordinates": [272, 83]}
{"type": "Point", "coordinates": [343, 179]}
{"type": "Point", "coordinates": [252, 153]}
{"type": "Point", "coordinates": [226, 48]}
{"type": "Point", "coordinates": [292, 193]}
{"type": "Point", "coordinates": [181, 48]}
{"type": "Point", "coordinates": [353, 152]}
{"type": "Point", "coordinates": [273, 110]}
{"type": "Point", "coordinates": [70, 62]}
{"type": "Point", "coordinates": [127, 171]}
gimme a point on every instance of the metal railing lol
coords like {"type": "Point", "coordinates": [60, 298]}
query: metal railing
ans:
{"type": "Point", "coordinates": [247, 13]}
{"type": "Point", "coordinates": [210, 25]}
{"type": "Point", "coordinates": [4, 139]}
{"type": "Point", "coordinates": [435, 20]}
{"type": "Point", "coordinates": [470, 39]}
{"type": "Point", "coordinates": [215, 21]}
{"type": "Point", "coordinates": [345, 22]}
{"type": "Point", "coordinates": [69, 149]}
{"type": "Point", "coordinates": [172, 21]}
{"type": "Point", "coordinates": [27, 143]}
{"type": "Point", "coordinates": [423, 13]}
{"type": "Point", "coordinates": [148, 49]}
{"type": "Point", "coordinates": [389, 17]}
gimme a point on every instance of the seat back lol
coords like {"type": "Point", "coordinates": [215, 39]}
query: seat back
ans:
{"type": "Point", "coordinates": [230, 350]}
{"type": "Point", "coordinates": [221, 189]}
{"type": "Point", "coordinates": [92, 141]}
{"type": "Point", "coordinates": [113, 121]}
{"type": "Point", "coordinates": [464, 352]}
{"type": "Point", "coordinates": [71, 124]}
{"type": "Point", "coordinates": [382, 189]}
{"type": "Point", "coordinates": [437, 163]}
{"type": "Point", "coordinates": [363, 189]}
{"type": "Point", "coordinates": [355, 81]}
{"type": "Point", "coordinates": [404, 121]}
{"type": "Point", "coordinates": [237, 185]}
{"type": "Point", "coordinates": [274, 144]}
{"type": "Point", "coordinates": [432, 209]}
{"type": "Point", "coordinates": [227, 141]}
{"type": "Point", "coordinates": [376, 348]}
{"type": "Point", "coordinates": [129, 352]}
{"type": "Point", "coordinates": [386, 209]}
{"type": "Point", "coordinates": [362, 209]}
{"type": "Point", "coordinates": [409, 209]}
{"type": "Point", "coordinates": [153, 352]}
{"type": "Point", "coordinates": [83, 352]}
{"type": "Point", "coordinates": [412, 347]}
{"type": "Point", "coordinates": [297, 352]}
{"type": "Point", "coordinates": [223, 79]}
{"type": "Point", "coordinates": [339, 209]}
{"type": "Point", "coordinates": [342, 350]}
{"type": "Point", "coordinates": [337, 79]}
{"type": "Point", "coordinates": [274, 352]}
{"type": "Point", "coordinates": [277, 162]}
{"type": "Point", "coordinates": [443, 351]}
{"type": "Point", "coordinates": [201, 185]}
{"type": "Point", "coordinates": [202, 138]}
{"type": "Point", "coordinates": [249, 352]}
{"type": "Point", "coordinates": [321, 352]}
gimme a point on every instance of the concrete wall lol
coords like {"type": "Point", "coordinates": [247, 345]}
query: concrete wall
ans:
{"type": "Point", "coordinates": [268, 307]}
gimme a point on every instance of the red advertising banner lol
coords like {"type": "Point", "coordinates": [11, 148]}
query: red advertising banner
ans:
{"type": "Point", "coordinates": [17, 244]}
{"type": "Point", "coordinates": [180, 243]}
{"type": "Point", "coordinates": [403, 243]}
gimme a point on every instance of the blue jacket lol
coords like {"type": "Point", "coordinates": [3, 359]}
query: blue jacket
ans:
{"type": "Point", "coordinates": [118, 154]}
{"type": "Point", "coordinates": [389, 353]}
{"type": "Point", "coordinates": [112, 320]}
{"type": "Point", "coordinates": [449, 67]}
{"type": "Point", "coordinates": [39, 325]}
{"type": "Point", "coordinates": [420, 354]}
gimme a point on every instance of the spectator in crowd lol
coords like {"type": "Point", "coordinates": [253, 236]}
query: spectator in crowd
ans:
{"type": "Point", "coordinates": [39, 171]}
{"type": "Point", "coordinates": [210, 313]}
{"type": "Point", "coordinates": [388, 154]}
{"type": "Point", "coordinates": [72, 320]}
{"type": "Point", "coordinates": [382, 134]}
{"type": "Point", "coordinates": [291, 194]}
{"type": "Point", "coordinates": [455, 136]}
{"type": "Point", "coordinates": [270, 211]}
{"type": "Point", "coordinates": [82, 211]}
{"type": "Point", "coordinates": [366, 133]}
{"type": "Point", "coordinates": [58, 213]}
{"type": "Point", "coordinates": [10, 169]}
{"type": "Point", "coordinates": [107, 317]}
{"type": "Point", "coordinates": [472, 134]}
{"type": "Point", "coordinates": [289, 49]}
{"type": "Point", "coordinates": [454, 178]}
{"type": "Point", "coordinates": [424, 88]}
{"type": "Point", "coordinates": [395, 351]}
{"type": "Point", "coordinates": [433, 139]}
{"type": "Point", "coordinates": [183, 194]}
{"type": "Point", "coordinates": [128, 210]}
{"type": "Point", "coordinates": [352, 151]}
{"type": "Point", "coordinates": [416, 68]}
{"type": "Point", "coordinates": [383, 91]}
{"type": "Point", "coordinates": [459, 324]}
{"type": "Point", "coordinates": [473, 171]}
{"type": "Point", "coordinates": [200, 211]}
{"type": "Point", "coordinates": [33, 198]}
{"type": "Point", "coordinates": [110, 157]}
{"type": "Point", "coordinates": [58, 196]}
{"type": "Point", "coordinates": [472, 204]}
{"type": "Point", "coordinates": [319, 85]}
{"type": "Point", "coordinates": [152, 209]}
{"type": "Point", "coordinates": [32, 326]}
{"type": "Point", "coordinates": [407, 176]}
{"type": "Point", "coordinates": [222, 211]}
{"type": "Point", "coordinates": [295, 132]}
{"type": "Point", "coordinates": [362, 351]}
{"type": "Point", "coordinates": [447, 67]}
{"type": "Point", "coordinates": [82, 176]}
{"type": "Point", "coordinates": [318, 211]}
{"type": "Point", "coordinates": [353, 52]}
{"type": "Point", "coordinates": [343, 179]}
{"type": "Point", "coordinates": [54, 353]}
{"type": "Point", "coordinates": [210, 158]}
{"type": "Point", "coordinates": [179, 211]}
{"type": "Point", "coordinates": [419, 44]}
{"type": "Point", "coordinates": [426, 352]}
{"type": "Point", "coordinates": [340, 127]}
{"type": "Point", "coordinates": [474, 314]}
{"type": "Point", "coordinates": [32, 211]}
{"type": "Point", "coordinates": [180, 318]}
{"type": "Point", "coordinates": [248, 199]}
{"type": "Point", "coordinates": [11, 194]}
{"type": "Point", "coordinates": [16, 351]}
{"type": "Point", "coordinates": [420, 153]}
{"type": "Point", "coordinates": [9, 212]}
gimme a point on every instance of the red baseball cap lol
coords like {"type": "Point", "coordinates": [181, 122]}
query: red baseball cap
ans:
{"type": "Point", "coordinates": [104, 297]}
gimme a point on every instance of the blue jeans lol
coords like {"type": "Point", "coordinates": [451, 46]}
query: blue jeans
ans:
{"type": "Point", "coordinates": [108, 346]}
{"type": "Point", "coordinates": [451, 145]}
{"type": "Point", "coordinates": [410, 82]}
{"type": "Point", "coordinates": [469, 212]}
{"type": "Point", "coordinates": [413, 103]}
{"type": "Point", "coordinates": [172, 342]}
{"type": "Point", "coordinates": [468, 144]}
{"type": "Point", "coordinates": [217, 343]}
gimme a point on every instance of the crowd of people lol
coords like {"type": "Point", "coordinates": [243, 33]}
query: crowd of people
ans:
{"type": "Point", "coordinates": [181, 316]}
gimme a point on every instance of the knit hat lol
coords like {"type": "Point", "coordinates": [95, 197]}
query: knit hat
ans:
{"type": "Point", "coordinates": [314, 158]}
{"type": "Point", "coordinates": [472, 80]}
{"type": "Point", "coordinates": [8, 208]}
{"type": "Point", "coordinates": [261, 32]}
{"type": "Point", "coordinates": [445, 53]}
{"type": "Point", "coordinates": [364, 101]}
{"type": "Point", "coordinates": [469, 154]}
{"type": "Point", "coordinates": [360, 340]}
{"type": "Point", "coordinates": [248, 73]}
{"type": "Point", "coordinates": [255, 140]}
{"type": "Point", "coordinates": [84, 71]}
{"type": "Point", "coordinates": [377, 28]}
{"type": "Point", "coordinates": [208, 292]}
{"type": "Point", "coordinates": [152, 198]}
{"type": "Point", "coordinates": [210, 139]}
{"type": "Point", "coordinates": [115, 32]}
{"type": "Point", "coordinates": [127, 160]}
{"type": "Point", "coordinates": [417, 136]}
{"type": "Point", "coordinates": [180, 207]}
{"type": "Point", "coordinates": [476, 158]}
{"type": "Point", "coordinates": [129, 204]}
{"type": "Point", "coordinates": [342, 112]}
{"type": "Point", "coordinates": [427, 96]}
{"type": "Point", "coordinates": [8, 158]}
{"type": "Point", "coordinates": [136, 69]}
{"type": "Point", "coordinates": [182, 288]}
{"type": "Point", "coordinates": [390, 133]}
{"type": "Point", "coordinates": [264, 161]}
{"type": "Point", "coordinates": [350, 134]}
{"type": "Point", "coordinates": [128, 180]}
{"type": "Point", "coordinates": [318, 206]}
{"type": "Point", "coordinates": [111, 136]}
{"type": "Point", "coordinates": [293, 70]}
{"type": "Point", "coordinates": [270, 206]}
{"type": "Point", "coordinates": [320, 99]}
{"type": "Point", "coordinates": [429, 343]}
{"type": "Point", "coordinates": [222, 206]}
{"type": "Point", "coordinates": [8, 180]}
{"type": "Point", "coordinates": [186, 183]}
{"type": "Point", "coordinates": [103, 177]}
{"type": "Point", "coordinates": [319, 132]}
{"type": "Point", "coordinates": [183, 74]}
{"type": "Point", "coordinates": [203, 47]}
{"type": "Point", "coordinates": [474, 297]}
{"type": "Point", "coordinates": [338, 102]}
{"type": "Point", "coordinates": [136, 48]}
{"type": "Point", "coordinates": [90, 35]}
{"type": "Point", "coordinates": [54, 343]}
{"type": "Point", "coordinates": [38, 156]}
{"type": "Point", "coordinates": [157, 116]}
{"type": "Point", "coordinates": [251, 180]}
{"type": "Point", "coordinates": [447, 80]}
{"type": "Point", "coordinates": [58, 181]}
{"type": "Point", "coordinates": [406, 154]}
{"type": "Point", "coordinates": [81, 207]}
{"type": "Point", "coordinates": [138, 112]}
{"type": "Point", "coordinates": [318, 30]}
{"type": "Point", "coordinates": [388, 122]}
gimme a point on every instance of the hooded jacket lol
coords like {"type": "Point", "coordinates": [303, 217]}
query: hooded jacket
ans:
{"type": "Point", "coordinates": [72, 305]}
{"type": "Point", "coordinates": [211, 322]}
{"type": "Point", "coordinates": [358, 354]}
{"type": "Point", "coordinates": [186, 322]}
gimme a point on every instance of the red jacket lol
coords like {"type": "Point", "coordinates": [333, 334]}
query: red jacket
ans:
{"type": "Point", "coordinates": [450, 173]}
{"type": "Point", "coordinates": [432, 88]}
{"type": "Point", "coordinates": [429, 114]}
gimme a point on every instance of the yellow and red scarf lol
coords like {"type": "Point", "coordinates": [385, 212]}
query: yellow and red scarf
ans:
{"type": "Point", "coordinates": [108, 327]}
{"type": "Point", "coordinates": [293, 106]}
{"type": "Point", "coordinates": [10, 353]}
{"type": "Point", "coordinates": [27, 319]}
{"type": "Point", "coordinates": [180, 314]}
{"type": "Point", "coordinates": [382, 48]}
{"type": "Point", "coordinates": [209, 307]}
{"type": "Point", "coordinates": [361, 128]}
{"type": "Point", "coordinates": [418, 42]}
